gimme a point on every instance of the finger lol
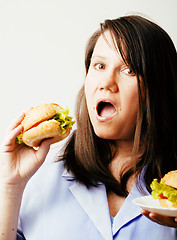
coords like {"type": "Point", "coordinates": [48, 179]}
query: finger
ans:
{"type": "Point", "coordinates": [160, 219]}
{"type": "Point", "coordinates": [16, 122]}
{"type": "Point", "coordinates": [19, 119]}
{"type": "Point", "coordinates": [146, 213]}
{"type": "Point", "coordinates": [151, 217]}
{"type": "Point", "coordinates": [43, 149]}
{"type": "Point", "coordinates": [11, 137]}
{"type": "Point", "coordinates": [164, 220]}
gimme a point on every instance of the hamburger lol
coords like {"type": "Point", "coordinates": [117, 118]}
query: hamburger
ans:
{"type": "Point", "coordinates": [166, 190]}
{"type": "Point", "coordinates": [45, 121]}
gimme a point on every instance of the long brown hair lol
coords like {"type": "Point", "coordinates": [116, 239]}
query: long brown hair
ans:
{"type": "Point", "coordinates": [150, 53]}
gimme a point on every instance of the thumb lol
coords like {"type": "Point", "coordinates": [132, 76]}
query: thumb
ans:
{"type": "Point", "coordinates": [43, 149]}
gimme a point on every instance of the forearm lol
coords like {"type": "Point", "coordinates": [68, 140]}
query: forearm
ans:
{"type": "Point", "coordinates": [10, 202]}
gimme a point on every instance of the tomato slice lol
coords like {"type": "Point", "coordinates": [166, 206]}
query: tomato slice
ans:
{"type": "Point", "coordinates": [162, 196]}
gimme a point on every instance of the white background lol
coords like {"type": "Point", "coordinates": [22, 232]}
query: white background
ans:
{"type": "Point", "coordinates": [42, 44]}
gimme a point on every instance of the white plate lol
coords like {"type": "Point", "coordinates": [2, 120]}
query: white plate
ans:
{"type": "Point", "coordinates": [153, 205]}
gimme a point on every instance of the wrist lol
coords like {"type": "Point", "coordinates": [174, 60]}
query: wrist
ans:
{"type": "Point", "coordinates": [12, 191]}
{"type": "Point", "coordinates": [10, 202]}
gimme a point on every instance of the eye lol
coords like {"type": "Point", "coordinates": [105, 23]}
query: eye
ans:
{"type": "Point", "coordinates": [128, 71]}
{"type": "Point", "coordinates": [99, 66]}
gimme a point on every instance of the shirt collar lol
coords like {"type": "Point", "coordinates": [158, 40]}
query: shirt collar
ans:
{"type": "Point", "coordinates": [94, 202]}
{"type": "Point", "coordinates": [129, 210]}
{"type": "Point", "coordinates": [67, 175]}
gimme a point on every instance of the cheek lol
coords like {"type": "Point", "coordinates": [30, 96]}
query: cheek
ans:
{"type": "Point", "coordinates": [131, 101]}
{"type": "Point", "coordinates": [87, 91]}
{"type": "Point", "coordinates": [89, 87]}
{"type": "Point", "coordinates": [86, 87]}
{"type": "Point", "coordinates": [88, 95]}
{"type": "Point", "coordinates": [134, 95]}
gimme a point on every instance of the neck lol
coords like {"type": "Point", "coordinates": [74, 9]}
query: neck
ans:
{"type": "Point", "coordinates": [124, 148]}
{"type": "Point", "coordinates": [122, 159]}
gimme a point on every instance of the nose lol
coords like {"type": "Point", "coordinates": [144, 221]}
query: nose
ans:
{"type": "Point", "coordinates": [109, 82]}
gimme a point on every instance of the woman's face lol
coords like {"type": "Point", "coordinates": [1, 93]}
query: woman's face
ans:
{"type": "Point", "coordinates": [111, 91]}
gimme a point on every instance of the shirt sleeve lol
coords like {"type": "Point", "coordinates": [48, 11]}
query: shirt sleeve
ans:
{"type": "Point", "coordinates": [20, 235]}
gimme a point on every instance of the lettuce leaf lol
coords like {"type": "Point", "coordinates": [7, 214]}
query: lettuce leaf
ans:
{"type": "Point", "coordinates": [167, 191]}
{"type": "Point", "coordinates": [64, 120]}
{"type": "Point", "coordinates": [18, 139]}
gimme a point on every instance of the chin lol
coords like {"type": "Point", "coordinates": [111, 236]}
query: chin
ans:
{"type": "Point", "coordinates": [105, 134]}
{"type": "Point", "coordinates": [112, 134]}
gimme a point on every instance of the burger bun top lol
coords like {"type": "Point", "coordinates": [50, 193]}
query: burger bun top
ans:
{"type": "Point", "coordinates": [170, 179]}
{"type": "Point", "coordinates": [39, 114]}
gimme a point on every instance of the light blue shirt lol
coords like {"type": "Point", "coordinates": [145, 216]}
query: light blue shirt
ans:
{"type": "Point", "coordinates": [54, 208]}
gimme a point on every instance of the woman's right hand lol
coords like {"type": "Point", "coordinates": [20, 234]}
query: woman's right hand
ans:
{"type": "Point", "coordinates": [18, 162]}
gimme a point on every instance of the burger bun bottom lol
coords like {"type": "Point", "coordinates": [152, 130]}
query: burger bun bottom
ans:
{"type": "Point", "coordinates": [46, 129]}
{"type": "Point", "coordinates": [166, 203]}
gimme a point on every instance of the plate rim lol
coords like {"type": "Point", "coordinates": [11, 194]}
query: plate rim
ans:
{"type": "Point", "coordinates": [172, 212]}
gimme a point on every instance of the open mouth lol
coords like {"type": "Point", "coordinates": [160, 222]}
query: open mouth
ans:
{"type": "Point", "coordinates": [106, 109]}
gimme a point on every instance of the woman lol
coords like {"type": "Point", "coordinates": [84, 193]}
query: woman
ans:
{"type": "Point", "coordinates": [125, 137]}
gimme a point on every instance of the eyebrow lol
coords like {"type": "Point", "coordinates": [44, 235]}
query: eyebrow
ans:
{"type": "Point", "coordinates": [104, 58]}
{"type": "Point", "coordinates": [97, 56]}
